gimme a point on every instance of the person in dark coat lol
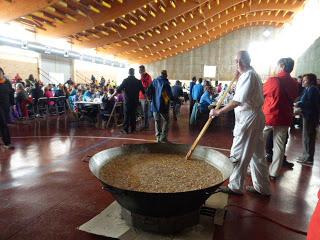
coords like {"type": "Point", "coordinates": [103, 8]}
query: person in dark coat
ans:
{"type": "Point", "coordinates": [36, 93]}
{"type": "Point", "coordinates": [5, 99]}
{"type": "Point", "coordinates": [131, 87]}
{"type": "Point", "coordinates": [309, 104]}
{"type": "Point", "coordinates": [177, 93]}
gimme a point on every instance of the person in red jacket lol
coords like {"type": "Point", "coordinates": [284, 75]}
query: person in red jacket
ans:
{"type": "Point", "coordinates": [279, 93]}
{"type": "Point", "coordinates": [146, 82]}
{"type": "Point", "coordinates": [314, 226]}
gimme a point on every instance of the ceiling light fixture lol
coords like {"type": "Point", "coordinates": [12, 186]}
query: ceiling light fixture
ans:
{"type": "Point", "coordinates": [71, 17]}
{"type": "Point", "coordinates": [81, 13]}
{"type": "Point", "coordinates": [123, 26]}
{"type": "Point", "coordinates": [162, 8]}
{"type": "Point", "coordinates": [106, 4]}
{"type": "Point", "coordinates": [142, 18]}
{"type": "Point", "coordinates": [63, 4]}
{"type": "Point", "coordinates": [132, 22]}
{"type": "Point", "coordinates": [152, 13]}
{"type": "Point", "coordinates": [94, 9]}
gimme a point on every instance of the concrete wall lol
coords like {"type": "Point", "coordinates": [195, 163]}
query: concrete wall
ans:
{"type": "Point", "coordinates": [309, 62]}
{"type": "Point", "coordinates": [21, 62]}
{"type": "Point", "coordinates": [84, 70]}
{"type": "Point", "coordinates": [220, 53]}
{"type": "Point", "coordinates": [25, 62]}
{"type": "Point", "coordinates": [51, 64]}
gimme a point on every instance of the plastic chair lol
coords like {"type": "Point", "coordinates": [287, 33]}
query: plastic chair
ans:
{"type": "Point", "coordinates": [42, 106]}
{"type": "Point", "coordinates": [115, 113]}
{"type": "Point", "coordinates": [61, 104]}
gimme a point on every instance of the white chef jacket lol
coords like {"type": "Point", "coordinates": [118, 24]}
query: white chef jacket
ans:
{"type": "Point", "coordinates": [250, 96]}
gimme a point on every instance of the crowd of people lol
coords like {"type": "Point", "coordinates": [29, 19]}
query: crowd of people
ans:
{"type": "Point", "coordinates": [22, 99]}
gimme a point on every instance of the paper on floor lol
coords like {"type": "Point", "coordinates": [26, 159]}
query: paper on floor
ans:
{"type": "Point", "coordinates": [110, 224]}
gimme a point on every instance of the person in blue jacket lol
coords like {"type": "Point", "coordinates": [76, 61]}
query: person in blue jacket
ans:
{"type": "Point", "coordinates": [192, 83]}
{"type": "Point", "coordinates": [88, 95]}
{"type": "Point", "coordinates": [206, 99]}
{"type": "Point", "coordinates": [161, 94]}
{"type": "Point", "coordinates": [197, 91]}
{"type": "Point", "coordinates": [309, 104]}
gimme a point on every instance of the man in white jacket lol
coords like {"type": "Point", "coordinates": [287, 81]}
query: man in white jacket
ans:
{"type": "Point", "coordinates": [248, 142]}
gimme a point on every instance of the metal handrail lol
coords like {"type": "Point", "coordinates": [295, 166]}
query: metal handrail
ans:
{"type": "Point", "coordinates": [46, 75]}
{"type": "Point", "coordinates": [82, 77]}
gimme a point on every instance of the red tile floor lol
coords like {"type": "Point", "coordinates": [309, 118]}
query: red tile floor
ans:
{"type": "Point", "coordinates": [47, 190]}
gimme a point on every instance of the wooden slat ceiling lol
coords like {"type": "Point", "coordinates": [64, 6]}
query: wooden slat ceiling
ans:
{"type": "Point", "coordinates": [145, 31]}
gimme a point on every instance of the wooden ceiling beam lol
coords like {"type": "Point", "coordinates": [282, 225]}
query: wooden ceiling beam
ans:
{"type": "Point", "coordinates": [210, 25]}
{"type": "Point", "coordinates": [141, 26]}
{"type": "Point", "coordinates": [187, 43]}
{"type": "Point", "coordinates": [218, 15]}
{"type": "Point", "coordinates": [197, 19]}
{"type": "Point", "coordinates": [19, 8]}
{"type": "Point", "coordinates": [192, 45]}
{"type": "Point", "coordinates": [95, 19]}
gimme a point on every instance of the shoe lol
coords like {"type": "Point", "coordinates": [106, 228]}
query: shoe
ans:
{"type": "Point", "coordinates": [268, 157]}
{"type": "Point", "coordinates": [164, 141]}
{"type": "Point", "coordinates": [225, 189]}
{"type": "Point", "coordinates": [308, 162]}
{"type": "Point", "coordinates": [272, 178]}
{"type": "Point", "coordinates": [9, 147]}
{"type": "Point", "coordinates": [124, 131]}
{"type": "Point", "coordinates": [302, 160]}
{"type": "Point", "coordinates": [287, 164]}
{"type": "Point", "coordinates": [251, 189]}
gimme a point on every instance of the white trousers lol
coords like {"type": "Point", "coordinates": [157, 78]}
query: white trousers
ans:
{"type": "Point", "coordinates": [248, 148]}
{"type": "Point", "coordinates": [279, 143]}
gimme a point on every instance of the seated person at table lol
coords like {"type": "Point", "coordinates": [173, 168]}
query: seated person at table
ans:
{"type": "Point", "coordinates": [90, 110]}
{"type": "Point", "coordinates": [107, 103]}
{"type": "Point", "coordinates": [207, 99]}
{"type": "Point", "coordinates": [72, 90]}
{"type": "Point", "coordinates": [88, 96]}
{"type": "Point", "coordinates": [60, 91]}
{"type": "Point", "coordinates": [75, 98]}
{"type": "Point", "coordinates": [49, 94]}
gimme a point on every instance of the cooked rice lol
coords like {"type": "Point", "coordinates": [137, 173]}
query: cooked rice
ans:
{"type": "Point", "coordinates": [159, 173]}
